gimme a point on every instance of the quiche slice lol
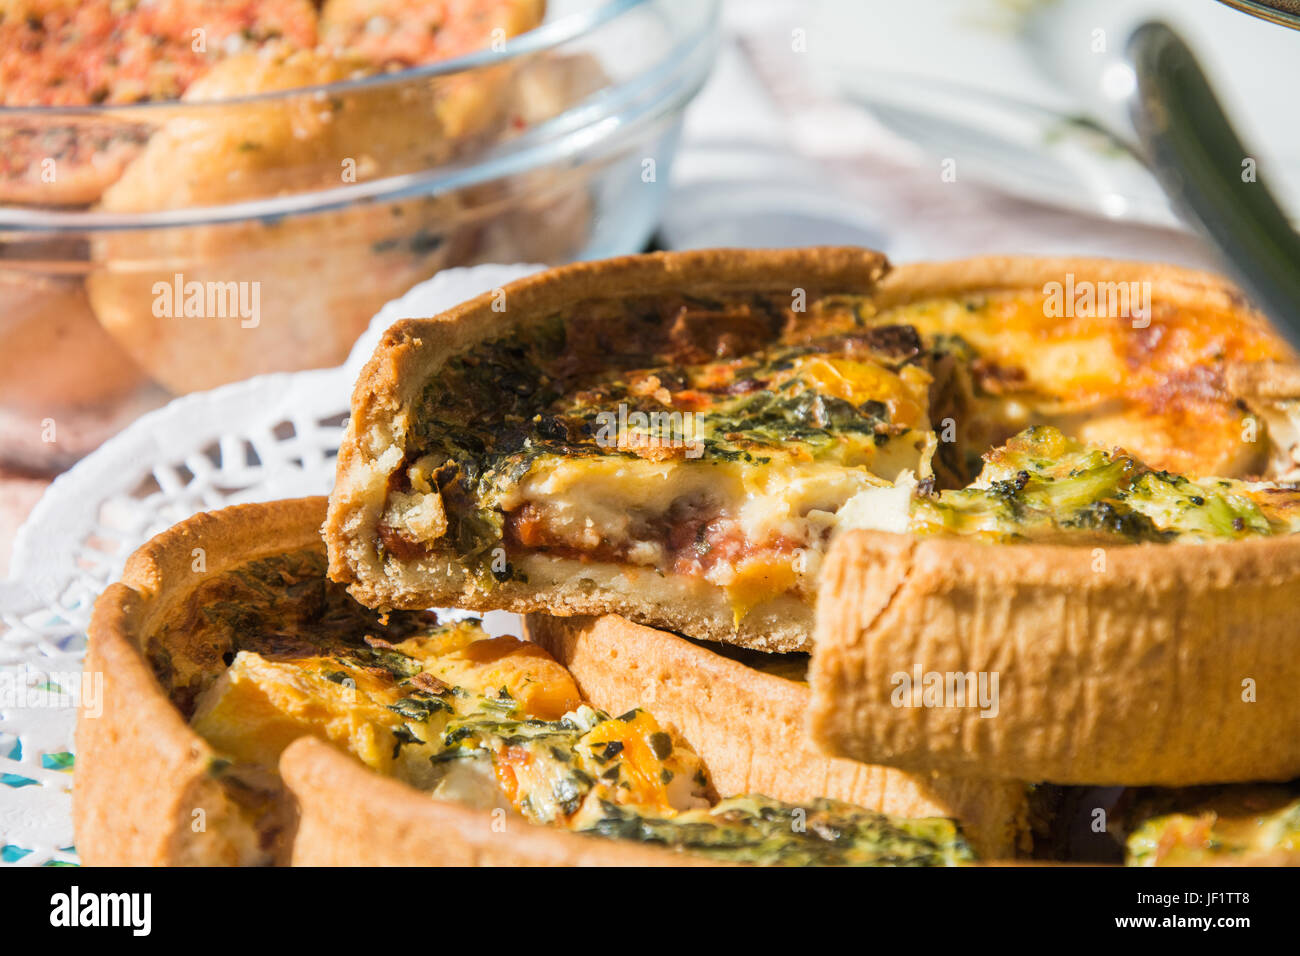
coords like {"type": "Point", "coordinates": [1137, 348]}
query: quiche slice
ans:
{"type": "Point", "coordinates": [254, 713]}
{"type": "Point", "coordinates": [678, 438]}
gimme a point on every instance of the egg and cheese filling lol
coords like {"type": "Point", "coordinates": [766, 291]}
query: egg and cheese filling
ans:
{"type": "Point", "coordinates": [745, 493]}
{"type": "Point", "coordinates": [496, 723]}
{"type": "Point", "coordinates": [728, 440]}
{"type": "Point", "coordinates": [729, 470]}
{"type": "Point", "coordinates": [1043, 486]}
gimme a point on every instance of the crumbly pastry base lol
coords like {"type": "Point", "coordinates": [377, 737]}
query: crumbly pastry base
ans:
{"type": "Point", "coordinates": [388, 391]}
{"type": "Point", "coordinates": [749, 728]}
{"type": "Point", "coordinates": [1166, 665]}
{"type": "Point", "coordinates": [142, 773]}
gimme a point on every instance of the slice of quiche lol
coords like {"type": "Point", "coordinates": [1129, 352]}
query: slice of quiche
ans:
{"type": "Point", "coordinates": [678, 437]}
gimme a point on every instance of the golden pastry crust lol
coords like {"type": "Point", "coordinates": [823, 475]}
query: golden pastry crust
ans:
{"type": "Point", "coordinates": [1131, 665]}
{"type": "Point", "coordinates": [144, 778]}
{"type": "Point", "coordinates": [146, 791]}
{"type": "Point", "coordinates": [748, 726]}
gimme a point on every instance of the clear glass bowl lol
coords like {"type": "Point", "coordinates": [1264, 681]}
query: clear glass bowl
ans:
{"type": "Point", "coordinates": [156, 249]}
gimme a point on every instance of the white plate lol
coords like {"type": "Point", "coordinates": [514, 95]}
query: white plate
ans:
{"type": "Point", "coordinates": [1010, 89]}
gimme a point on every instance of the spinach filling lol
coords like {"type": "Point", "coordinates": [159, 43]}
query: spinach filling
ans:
{"type": "Point", "coordinates": [490, 413]}
{"type": "Point", "coordinates": [758, 830]}
{"type": "Point", "coordinates": [1044, 486]}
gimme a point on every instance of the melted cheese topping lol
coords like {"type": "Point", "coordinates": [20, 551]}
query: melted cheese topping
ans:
{"type": "Point", "coordinates": [1154, 388]}
{"type": "Point", "coordinates": [258, 707]}
{"type": "Point", "coordinates": [490, 721]}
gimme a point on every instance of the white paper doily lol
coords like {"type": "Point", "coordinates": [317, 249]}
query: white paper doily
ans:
{"type": "Point", "coordinates": [275, 436]}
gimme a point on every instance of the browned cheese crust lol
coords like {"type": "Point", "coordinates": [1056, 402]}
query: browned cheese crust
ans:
{"type": "Point", "coordinates": [1135, 665]}
{"type": "Point", "coordinates": [749, 727]}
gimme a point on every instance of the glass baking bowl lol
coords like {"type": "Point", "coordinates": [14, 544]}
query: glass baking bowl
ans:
{"type": "Point", "coordinates": [156, 249]}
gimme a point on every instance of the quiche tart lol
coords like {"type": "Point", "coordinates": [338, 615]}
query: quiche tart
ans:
{"type": "Point", "coordinates": [254, 713]}
{"type": "Point", "coordinates": [679, 438]}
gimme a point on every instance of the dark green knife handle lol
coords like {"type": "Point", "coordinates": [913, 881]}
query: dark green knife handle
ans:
{"type": "Point", "coordinates": [1201, 163]}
